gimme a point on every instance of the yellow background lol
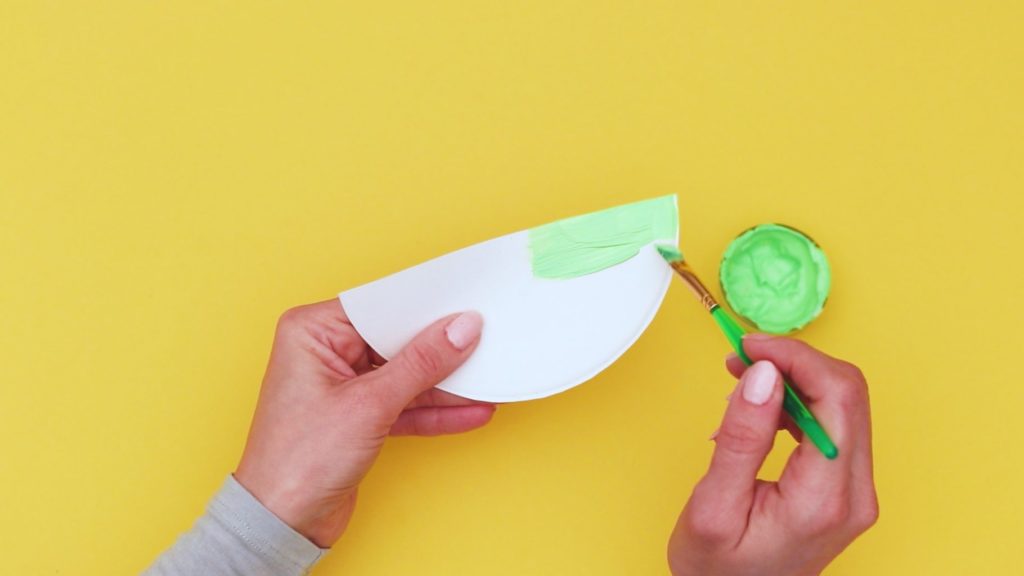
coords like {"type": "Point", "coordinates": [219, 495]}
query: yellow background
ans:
{"type": "Point", "coordinates": [173, 175]}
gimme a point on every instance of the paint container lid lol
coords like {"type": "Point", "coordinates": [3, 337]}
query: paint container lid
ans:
{"type": "Point", "coordinates": [775, 277]}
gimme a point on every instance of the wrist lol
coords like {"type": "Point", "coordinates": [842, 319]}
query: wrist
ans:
{"type": "Point", "coordinates": [321, 519]}
{"type": "Point", "coordinates": [321, 522]}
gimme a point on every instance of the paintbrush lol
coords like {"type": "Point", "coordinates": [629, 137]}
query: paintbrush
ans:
{"type": "Point", "coordinates": [791, 403]}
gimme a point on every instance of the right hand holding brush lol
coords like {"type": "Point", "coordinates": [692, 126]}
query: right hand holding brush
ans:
{"type": "Point", "coordinates": [736, 524]}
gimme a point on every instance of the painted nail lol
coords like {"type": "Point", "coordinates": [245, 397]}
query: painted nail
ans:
{"type": "Point", "coordinates": [464, 330]}
{"type": "Point", "coordinates": [759, 382]}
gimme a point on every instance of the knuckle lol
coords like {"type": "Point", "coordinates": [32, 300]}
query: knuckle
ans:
{"type": "Point", "coordinates": [848, 399]}
{"type": "Point", "coordinates": [830, 515]}
{"type": "Point", "coordinates": [740, 438]}
{"type": "Point", "coordinates": [290, 319]}
{"type": "Point", "coordinates": [799, 350]}
{"type": "Point", "coordinates": [867, 515]}
{"type": "Point", "coordinates": [801, 347]}
{"type": "Point", "coordinates": [851, 374]}
{"type": "Point", "coordinates": [423, 359]}
{"type": "Point", "coordinates": [708, 525]}
{"type": "Point", "coordinates": [854, 372]}
{"type": "Point", "coordinates": [850, 386]}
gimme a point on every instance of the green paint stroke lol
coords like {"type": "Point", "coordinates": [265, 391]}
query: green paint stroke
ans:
{"type": "Point", "coordinates": [775, 277]}
{"type": "Point", "coordinates": [592, 242]}
{"type": "Point", "coordinates": [669, 253]}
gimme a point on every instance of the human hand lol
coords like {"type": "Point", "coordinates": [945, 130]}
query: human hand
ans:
{"type": "Point", "coordinates": [325, 409]}
{"type": "Point", "coordinates": [735, 524]}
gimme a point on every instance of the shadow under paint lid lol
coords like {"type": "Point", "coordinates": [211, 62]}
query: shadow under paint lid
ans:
{"type": "Point", "coordinates": [775, 277]}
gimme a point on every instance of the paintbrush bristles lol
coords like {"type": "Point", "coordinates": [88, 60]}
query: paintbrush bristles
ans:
{"type": "Point", "coordinates": [674, 257]}
{"type": "Point", "coordinates": [669, 253]}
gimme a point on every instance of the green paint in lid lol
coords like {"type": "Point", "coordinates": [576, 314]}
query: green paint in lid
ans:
{"type": "Point", "coordinates": [775, 277]}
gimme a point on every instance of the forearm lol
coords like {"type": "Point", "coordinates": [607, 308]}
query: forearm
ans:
{"type": "Point", "coordinates": [236, 536]}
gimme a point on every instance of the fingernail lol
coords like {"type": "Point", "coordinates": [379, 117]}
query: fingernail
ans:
{"type": "Point", "coordinates": [714, 434]}
{"type": "Point", "coordinates": [758, 336]}
{"type": "Point", "coordinates": [759, 382]}
{"type": "Point", "coordinates": [730, 356]}
{"type": "Point", "coordinates": [464, 330]}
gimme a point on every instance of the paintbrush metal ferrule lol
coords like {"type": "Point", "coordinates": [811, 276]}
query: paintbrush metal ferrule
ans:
{"type": "Point", "coordinates": [695, 285]}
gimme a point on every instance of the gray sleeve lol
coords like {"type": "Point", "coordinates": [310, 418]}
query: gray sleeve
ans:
{"type": "Point", "coordinates": [237, 536]}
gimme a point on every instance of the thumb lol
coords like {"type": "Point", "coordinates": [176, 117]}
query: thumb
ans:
{"type": "Point", "coordinates": [428, 359]}
{"type": "Point", "coordinates": [743, 441]}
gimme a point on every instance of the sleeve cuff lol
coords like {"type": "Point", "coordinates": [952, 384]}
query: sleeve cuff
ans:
{"type": "Point", "coordinates": [263, 532]}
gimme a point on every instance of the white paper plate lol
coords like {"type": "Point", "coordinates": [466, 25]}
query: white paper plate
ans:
{"type": "Point", "coordinates": [541, 336]}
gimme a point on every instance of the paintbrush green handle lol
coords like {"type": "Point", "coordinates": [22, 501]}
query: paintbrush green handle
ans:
{"type": "Point", "coordinates": [792, 403]}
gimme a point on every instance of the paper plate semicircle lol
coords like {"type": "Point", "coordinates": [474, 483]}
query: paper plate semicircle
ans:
{"type": "Point", "coordinates": [541, 336]}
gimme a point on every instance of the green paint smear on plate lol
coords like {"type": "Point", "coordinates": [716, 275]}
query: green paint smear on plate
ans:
{"type": "Point", "coordinates": [592, 242]}
{"type": "Point", "coordinates": [775, 277]}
